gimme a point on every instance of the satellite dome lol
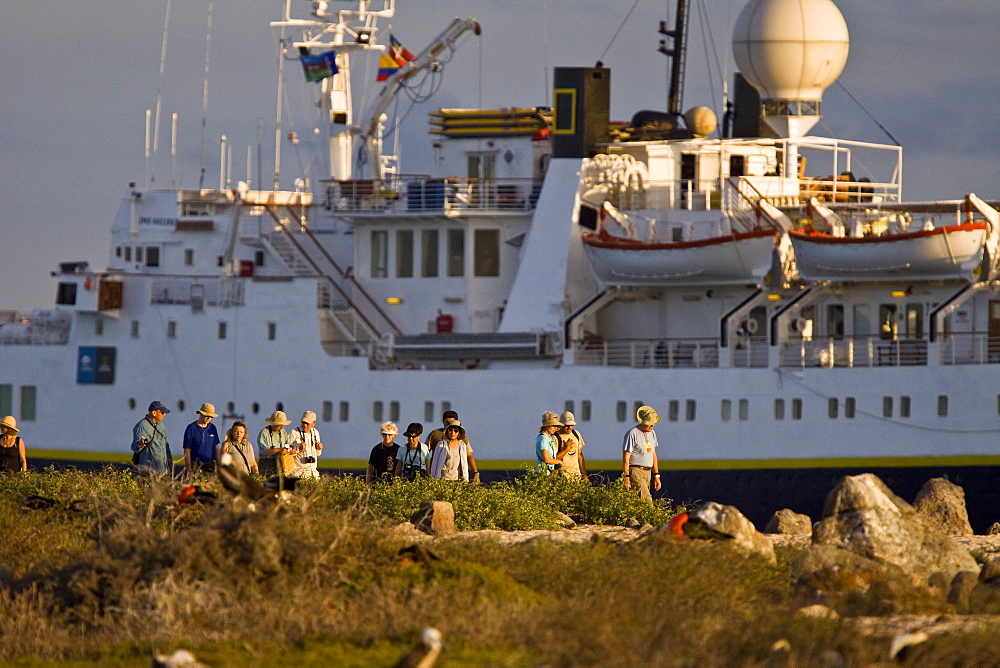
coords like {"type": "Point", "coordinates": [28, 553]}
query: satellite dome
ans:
{"type": "Point", "coordinates": [791, 49]}
{"type": "Point", "coordinates": [701, 121]}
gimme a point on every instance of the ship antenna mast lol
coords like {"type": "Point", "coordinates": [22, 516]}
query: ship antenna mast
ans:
{"type": "Point", "coordinates": [677, 54]}
{"type": "Point", "coordinates": [204, 99]}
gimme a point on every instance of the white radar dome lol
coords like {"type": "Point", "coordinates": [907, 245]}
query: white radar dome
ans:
{"type": "Point", "coordinates": [790, 49]}
{"type": "Point", "coordinates": [701, 121]}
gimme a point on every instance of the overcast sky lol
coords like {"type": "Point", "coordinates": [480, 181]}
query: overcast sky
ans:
{"type": "Point", "coordinates": [77, 77]}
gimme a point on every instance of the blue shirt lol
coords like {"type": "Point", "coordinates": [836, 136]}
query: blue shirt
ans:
{"type": "Point", "coordinates": [641, 445]}
{"type": "Point", "coordinates": [545, 444]}
{"type": "Point", "coordinates": [201, 441]}
{"type": "Point", "coordinates": [156, 455]}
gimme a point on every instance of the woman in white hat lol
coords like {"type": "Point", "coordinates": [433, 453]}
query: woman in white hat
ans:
{"type": "Point", "coordinates": [272, 442]}
{"type": "Point", "coordinates": [546, 444]}
{"type": "Point", "coordinates": [571, 445]}
{"type": "Point", "coordinates": [12, 457]}
{"type": "Point", "coordinates": [382, 460]}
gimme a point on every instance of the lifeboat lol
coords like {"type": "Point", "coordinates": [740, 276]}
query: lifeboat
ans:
{"type": "Point", "coordinates": [886, 249]}
{"type": "Point", "coordinates": [736, 258]}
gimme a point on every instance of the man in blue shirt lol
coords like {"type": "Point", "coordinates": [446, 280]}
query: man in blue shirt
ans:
{"type": "Point", "coordinates": [149, 441]}
{"type": "Point", "coordinates": [201, 441]}
{"type": "Point", "coordinates": [639, 454]}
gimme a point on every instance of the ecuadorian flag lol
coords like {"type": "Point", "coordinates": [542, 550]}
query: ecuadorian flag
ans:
{"type": "Point", "coordinates": [387, 66]}
{"type": "Point", "coordinates": [398, 56]}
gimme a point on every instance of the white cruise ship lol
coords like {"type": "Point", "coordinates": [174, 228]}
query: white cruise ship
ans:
{"type": "Point", "coordinates": [766, 290]}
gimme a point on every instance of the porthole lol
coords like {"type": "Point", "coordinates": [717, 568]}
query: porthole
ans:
{"type": "Point", "coordinates": [255, 408]}
{"type": "Point", "coordinates": [131, 404]}
{"type": "Point", "coordinates": [180, 405]}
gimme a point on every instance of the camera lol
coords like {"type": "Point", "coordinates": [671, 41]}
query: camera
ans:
{"type": "Point", "coordinates": [308, 460]}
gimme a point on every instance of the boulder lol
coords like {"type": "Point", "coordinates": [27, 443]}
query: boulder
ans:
{"type": "Point", "coordinates": [824, 568]}
{"type": "Point", "coordinates": [435, 517]}
{"type": "Point", "coordinates": [718, 522]}
{"type": "Point", "coordinates": [863, 516]}
{"type": "Point", "coordinates": [564, 521]}
{"type": "Point", "coordinates": [789, 523]}
{"type": "Point", "coordinates": [990, 573]}
{"type": "Point", "coordinates": [944, 503]}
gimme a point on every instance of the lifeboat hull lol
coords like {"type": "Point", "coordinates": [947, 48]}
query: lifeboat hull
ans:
{"type": "Point", "coordinates": [736, 259]}
{"type": "Point", "coordinates": [951, 251]}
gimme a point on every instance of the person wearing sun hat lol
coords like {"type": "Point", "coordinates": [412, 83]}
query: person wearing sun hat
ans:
{"type": "Point", "coordinates": [546, 444]}
{"type": "Point", "coordinates": [305, 439]}
{"type": "Point", "coordinates": [382, 460]}
{"type": "Point", "coordinates": [639, 459]}
{"type": "Point", "coordinates": [201, 441]}
{"type": "Point", "coordinates": [150, 443]}
{"type": "Point", "coordinates": [412, 464]}
{"type": "Point", "coordinates": [12, 455]}
{"type": "Point", "coordinates": [273, 441]}
{"type": "Point", "coordinates": [571, 444]}
{"type": "Point", "coordinates": [452, 455]}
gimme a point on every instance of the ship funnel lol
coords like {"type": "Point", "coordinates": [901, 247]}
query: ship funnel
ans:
{"type": "Point", "coordinates": [790, 51]}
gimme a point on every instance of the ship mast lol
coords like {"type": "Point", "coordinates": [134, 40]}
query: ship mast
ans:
{"type": "Point", "coordinates": [343, 32]}
{"type": "Point", "coordinates": [677, 55]}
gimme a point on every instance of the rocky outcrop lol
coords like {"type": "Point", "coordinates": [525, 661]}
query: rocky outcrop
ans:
{"type": "Point", "coordinates": [861, 515]}
{"type": "Point", "coordinates": [789, 523]}
{"type": "Point", "coordinates": [943, 502]}
{"type": "Point", "coordinates": [718, 522]}
{"type": "Point", "coordinates": [435, 517]}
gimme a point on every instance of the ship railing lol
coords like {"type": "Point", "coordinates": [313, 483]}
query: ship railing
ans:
{"type": "Point", "coordinates": [690, 194]}
{"type": "Point", "coordinates": [198, 291]}
{"type": "Point", "coordinates": [968, 348]}
{"type": "Point", "coordinates": [749, 352]}
{"type": "Point", "coordinates": [400, 193]}
{"type": "Point", "coordinates": [648, 353]}
{"type": "Point", "coordinates": [868, 351]}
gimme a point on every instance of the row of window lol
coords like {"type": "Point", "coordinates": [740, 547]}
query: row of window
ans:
{"type": "Point", "coordinates": [221, 331]}
{"type": "Point", "coordinates": [152, 255]}
{"type": "Point", "coordinates": [27, 400]}
{"type": "Point", "coordinates": [485, 253]}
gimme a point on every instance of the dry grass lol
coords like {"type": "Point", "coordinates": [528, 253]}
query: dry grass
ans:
{"type": "Point", "coordinates": [313, 582]}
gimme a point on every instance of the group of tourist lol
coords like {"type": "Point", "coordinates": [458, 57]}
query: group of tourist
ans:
{"type": "Point", "coordinates": [559, 450]}
{"type": "Point", "coordinates": [446, 452]}
{"type": "Point", "coordinates": [292, 454]}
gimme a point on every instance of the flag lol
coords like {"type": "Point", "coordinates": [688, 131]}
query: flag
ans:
{"type": "Point", "coordinates": [399, 53]}
{"type": "Point", "coordinates": [319, 67]}
{"type": "Point", "coordinates": [387, 66]}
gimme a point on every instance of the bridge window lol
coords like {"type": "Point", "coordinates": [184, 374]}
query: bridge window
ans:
{"type": "Point", "coordinates": [66, 294]}
{"type": "Point", "coordinates": [379, 253]}
{"type": "Point", "coordinates": [832, 407]}
{"type": "Point", "coordinates": [796, 409]}
{"type": "Point", "coordinates": [456, 252]}
{"type": "Point", "coordinates": [887, 407]}
{"type": "Point", "coordinates": [849, 407]}
{"type": "Point", "coordinates": [404, 253]}
{"type": "Point", "coordinates": [429, 253]}
{"type": "Point", "coordinates": [153, 256]}
{"type": "Point", "coordinates": [486, 253]}
{"type": "Point", "coordinates": [128, 253]}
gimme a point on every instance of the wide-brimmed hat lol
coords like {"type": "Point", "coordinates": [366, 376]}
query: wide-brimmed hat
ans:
{"type": "Point", "coordinates": [308, 417]}
{"type": "Point", "coordinates": [277, 419]}
{"type": "Point", "coordinates": [207, 410]}
{"type": "Point", "coordinates": [389, 428]}
{"type": "Point", "coordinates": [567, 419]}
{"type": "Point", "coordinates": [415, 429]}
{"type": "Point", "coordinates": [550, 419]}
{"type": "Point", "coordinates": [456, 425]}
{"type": "Point", "coordinates": [9, 422]}
{"type": "Point", "coordinates": [647, 416]}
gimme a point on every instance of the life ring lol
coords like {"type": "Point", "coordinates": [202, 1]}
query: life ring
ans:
{"type": "Point", "coordinates": [750, 325]}
{"type": "Point", "coordinates": [798, 325]}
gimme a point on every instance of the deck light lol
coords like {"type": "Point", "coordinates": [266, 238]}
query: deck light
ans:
{"type": "Point", "coordinates": [393, 300]}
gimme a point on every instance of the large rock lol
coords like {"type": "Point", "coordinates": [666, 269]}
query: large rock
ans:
{"type": "Point", "coordinates": [716, 521]}
{"type": "Point", "coordinates": [944, 503]}
{"type": "Point", "coordinates": [435, 517]}
{"type": "Point", "coordinates": [789, 523]}
{"type": "Point", "coordinates": [863, 516]}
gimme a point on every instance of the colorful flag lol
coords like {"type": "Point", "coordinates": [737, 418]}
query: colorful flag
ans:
{"type": "Point", "coordinates": [319, 67]}
{"type": "Point", "coordinates": [399, 53]}
{"type": "Point", "coordinates": [387, 66]}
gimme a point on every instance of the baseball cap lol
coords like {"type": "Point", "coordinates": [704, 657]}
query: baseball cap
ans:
{"type": "Point", "coordinates": [157, 406]}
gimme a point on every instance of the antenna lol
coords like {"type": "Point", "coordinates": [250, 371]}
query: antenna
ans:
{"type": "Point", "coordinates": [204, 99]}
{"type": "Point", "coordinates": [159, 86]}
{"type": "Point", "coordinates": [677, 55]}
